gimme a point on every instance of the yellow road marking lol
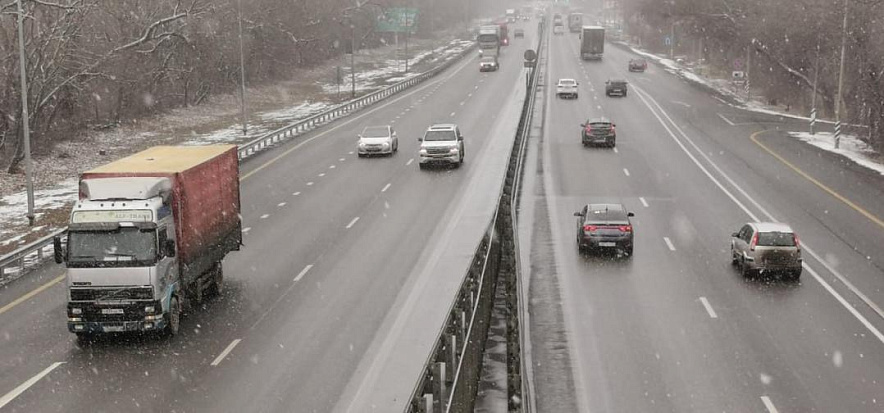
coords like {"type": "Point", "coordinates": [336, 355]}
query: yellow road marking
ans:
{"type": "Point", "coordinates": [857, 208]}
{"type": "Point", "coordinates": [28, 296]}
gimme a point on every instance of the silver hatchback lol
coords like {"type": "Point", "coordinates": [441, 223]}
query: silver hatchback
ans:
{"type": "Point", "coordinates": [766, 247]}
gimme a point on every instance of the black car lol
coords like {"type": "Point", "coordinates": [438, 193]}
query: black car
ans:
{"type": "Point", "coordinates": [615, 87]}
{"type": "Point", "coordinates": [638, 65]}
{"type": "Point", "coordinates": [604, 227]}
{"type": "Point", "coordinates": [599, 131]}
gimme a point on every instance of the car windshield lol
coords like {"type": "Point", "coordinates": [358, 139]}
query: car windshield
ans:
{"type": "Point", "coordinates": [128, 246]}
{"type": "Point", "coordinates": [375, 132]}
{"type": "Point", "coordinates": [776, 239]}
{"type": "Point", "coordinates": [567, 82]}
{"type": "Point", "coordinates": [439, 135]}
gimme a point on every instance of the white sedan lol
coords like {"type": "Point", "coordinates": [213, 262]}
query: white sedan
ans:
{"type": "Point", "coordinates": [377, 140]}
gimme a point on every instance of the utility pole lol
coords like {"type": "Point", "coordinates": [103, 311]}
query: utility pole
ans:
{"type": "Point", "coordinates": [29, 167]}
{"type": "Point", "coordinates": [242, 73]}
{"type": "Point", "coordinates": [748, 69]}
{"type": "Point", "coordinates": [816, 76]}
{"type": "Point", "coordinates": [352, 60]}
{"type": "Point", "coordinates": [841, 78]}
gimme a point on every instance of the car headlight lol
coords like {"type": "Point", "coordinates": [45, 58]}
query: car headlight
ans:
{"type": "Point", "coordinates": [423, 151]}
{"type": "Point", "coordinates": [361, 144]}
{"type": "Point", "coordinates": [453, 150]}
{"type": "Point", "coordinates": [386, 145]}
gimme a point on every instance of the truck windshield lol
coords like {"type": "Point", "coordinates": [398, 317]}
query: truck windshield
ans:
{"type": "Point", "coordinates": [487, 38]}
{"type": "Point", "coordinates": [126, 247]}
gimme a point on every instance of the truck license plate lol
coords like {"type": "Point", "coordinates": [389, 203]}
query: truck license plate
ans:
{"type": "Point", "coordinates": [607, 244]}
{"type": "Point", "coordinates": [113, 329]}
{"type": "Point", "coordinates": [111, 311]}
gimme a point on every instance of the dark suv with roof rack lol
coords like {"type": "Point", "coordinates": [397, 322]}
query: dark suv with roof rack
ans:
{"type": "Point", "coordinates": [604, 227]}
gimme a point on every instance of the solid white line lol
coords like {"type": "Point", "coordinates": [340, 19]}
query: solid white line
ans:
{"type": "Point", "coordinates": [246, 229]}
{"type": "Point", "coordinates": [409, 162]}
{"type": "Point", "coordinates": [310, 183]}
{"type": "Point", "coordinates": [769, 404]}
{"type": "Point", "coordinates": [645, 203]}
{"type": "Point", "coordinates": [296, 193]}
{"type": "Point", "coordinates": [281, 204]}
{"type": "Point", "coordinates": [8, 397]}
{"type": "Point", "coordinates": [615, 150]}
{"type": "Point", "coordinates": [353, 222]}
{"type": "Point", "coordinates": [726, 120]}
{"type": "Point", "coordinates": [303, 273]}
{"type": "Point", "coordinates": [386, 187]}
{"type": "Point", "coordinates": [720, 100]}
{"type": "Point", "coordinates": [681, 103]}
{"type": "Point", "coordinates": [865, 322]}
{"type": "Point", "coordinates": [226, 351]}
{"type": "Point", "coordinates": [669, 243]}
{"type": "Point", "coordinates": [626, 171]}
{"type": "Point", "coordinates": [708, 307]}
{"type": "Point", "coordinates": [265, 216]}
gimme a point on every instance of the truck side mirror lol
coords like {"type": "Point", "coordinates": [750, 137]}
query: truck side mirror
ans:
{"type": "Point", "coordinates": [58, 249]}
{"type": "Point", "coordinates": [169, 248]}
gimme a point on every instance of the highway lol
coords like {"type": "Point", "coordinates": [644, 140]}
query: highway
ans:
{"type": "Point", "coordinates": [675, 328]}
{"type": "Point", "coordinates": [331, 241]}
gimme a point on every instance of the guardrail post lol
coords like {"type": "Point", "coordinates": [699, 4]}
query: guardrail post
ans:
{"type": "Point", "coordinates": [439, 385]}
{"type": "Point", "coordinates": [427, 405]}
{"type": "Point", "coordinates": [452, 350]}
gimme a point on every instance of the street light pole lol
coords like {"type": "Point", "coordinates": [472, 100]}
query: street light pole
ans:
{"type": "Point", "coordinates": [352, 60]}
{"type": "Point", "coordinates": [242, 71]}
{"type": "Point", "coordinates": [816, 76]}
{"type": "Point", "coordinates": [29, 167]}
{"type": "Point", "coordinates": [841, 78]}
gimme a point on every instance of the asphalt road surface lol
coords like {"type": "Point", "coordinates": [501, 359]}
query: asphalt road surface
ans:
{"type": "Point", "coordinates": [330, 241]}
{"type": "Point", "coordinates": [675, 328]}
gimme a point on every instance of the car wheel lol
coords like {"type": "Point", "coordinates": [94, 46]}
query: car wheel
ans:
{"type": "Point", "coordinates": [744, 269]}
{"type": "Point", "coordinates": [734, 259]}
{"type": "Point", "coordinates": [361, 155]}
{"type": "Point", "coordinates": [624, 93]}
{"type": "Point", "coordinates": [629, 250]}
{"type": "Point", "coordinates": [575, 96]}
{"type": "Point", "coordinates": [422, 165]}
{"type": "Point", "coordinates": [613, 143]}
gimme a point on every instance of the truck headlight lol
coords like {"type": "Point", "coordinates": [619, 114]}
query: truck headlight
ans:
{"type": "Point", "coordinates": [75, 320]}
{"type": "Point", "coordinates": [76, 310]}
{"type": "Point", "coordinates": [453, 150]}
{"type": "Point", "coordinates": [149, 309]}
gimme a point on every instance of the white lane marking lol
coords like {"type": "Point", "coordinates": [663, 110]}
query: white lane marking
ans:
{"type": "Point", "coordinates": [409, 162]}
{"type": "Point", "coordinates": [310, 183]}
{"type": "Point", "coordinates": [296, 193]}
{"type": "Point", "coordinates": [726, 120]}
{"type": "Point", "coordinates": [386, 187]}
{"type": "Point", "coordinates": [397, 117]}
{"type": "Point", "coordinates": [865, 322]}
{"type": "Point", "coordinates": [645, 203]}
{"type": "Point", "coordinates": [615, 150]}
{"type": "Point", "coordinates": [322, 174]}
{"type": "Point", "coordinates": [331, 167]}
{"type": "Point", "coordinates": [669, 243]}
{"type": "Point", "coordinates": [469, 95]}
{"type": "Point", "coordinates": [246, 229]}
{"type": "Point", "coordinates": [351, 152]}
{"type": "Point", "coordinates": [265, 216]}
{"type": "Point", "coordinates": [769, 404]}
{"type": "Point", "coordinates": [461, 103]}
{"type": "Point", "coordinates": [681, 103]}
{"type": "Point", "coordinates": [353, 222]}
{"type": "Point", "coordinates": [626, 171]}
{"type": "Point", "coordinates": [303, 273]}
{"type": "Point", "coordinates": [720, 100]}
{"type": "Point", "coordinates": [281, 204]}
{"type": "Point", "coordinates": [8, 397]}
{"type": "Point", "coordinates": [599, 107]}
{"type": "Point", "coordinates": [595, 97]}
{"type": "Point", "coordinates": [475, 87]}
{"type": "Point", "coordinates": [342, 159]}
{"type": "Point", "coordinates": [226, 351]}
{"type": "Point", "coordinates": [708, 307]}
{"type": "Point", "coordinates": [452, 114]}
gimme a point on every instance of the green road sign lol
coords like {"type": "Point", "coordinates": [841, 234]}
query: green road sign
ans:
{"type": "Point", "coordinates": [397, 20]}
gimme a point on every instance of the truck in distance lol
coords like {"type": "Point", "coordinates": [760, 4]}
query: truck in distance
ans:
{"type": "Point", "coordinates": [592, 42]}
{"type": "Point", "coordinates": [147, 237]}
{"type": "Point", "coordinates": [511, 15]}
{"type": "Point", "coordinates": [489, 40]}
{"type": "Point", "coordinates": [575, 22]}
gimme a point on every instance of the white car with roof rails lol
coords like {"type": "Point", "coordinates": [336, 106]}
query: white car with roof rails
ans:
{"type": "Point", "coordinates": [766, 247]}
{"type": "Point", "coordinates": [441, 144]}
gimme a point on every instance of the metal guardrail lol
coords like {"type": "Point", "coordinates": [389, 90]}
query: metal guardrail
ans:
{"type": "Point", "coordinates": [451, 374]}
{"type": "Point", "coordinates": [17, 262]}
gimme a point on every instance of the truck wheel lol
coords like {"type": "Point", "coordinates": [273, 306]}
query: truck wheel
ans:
{"type": "Point", "coordinates": [85, 339]}
{"type": "Point", "coordinates": [219, 280]}
{"type": "Point", "coordinates": [174, 318]}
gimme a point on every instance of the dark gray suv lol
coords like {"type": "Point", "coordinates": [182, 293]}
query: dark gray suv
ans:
{"type": "Point", "coordinates": [603, 227]}
{"type": "Point", "coordinates": [616, 87]}
{"type": "Point", "coordinates": [599, 131]}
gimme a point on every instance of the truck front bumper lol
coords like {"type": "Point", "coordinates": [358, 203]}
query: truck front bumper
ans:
{"type": "Point", "coordinates": [117, 318]}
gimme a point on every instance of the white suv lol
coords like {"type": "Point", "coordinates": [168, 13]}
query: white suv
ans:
{"type": "Point", "coordinates": [441, 144]}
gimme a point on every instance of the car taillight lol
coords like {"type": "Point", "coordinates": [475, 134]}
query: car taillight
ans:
{"type": "Point", "coordinates": [626, 228]}
{"type": "Point", "coordinates": [797, 242]}
{"type": "Point", "coordinates": [613, 129]}
{"type": "Point", "coordinates": [588, 129]}
{"type": "Point", "coordinates": [590, 228]}
{"type": "Point", "coordinates": [754, 242]}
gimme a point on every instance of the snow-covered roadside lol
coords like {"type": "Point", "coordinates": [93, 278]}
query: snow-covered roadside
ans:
{"type": "Point", "coordinates": [851, 147]}
{"type": "Point", "coordinates": [57, 188]}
